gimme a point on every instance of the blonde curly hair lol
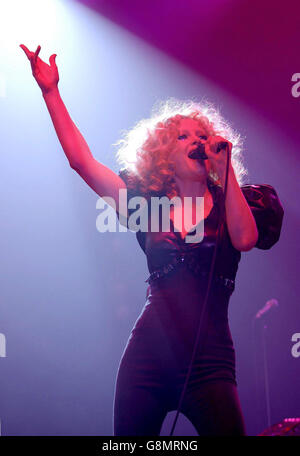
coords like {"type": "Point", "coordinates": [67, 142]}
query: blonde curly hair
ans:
{"type": "Point", "coordinates": [144, 151]}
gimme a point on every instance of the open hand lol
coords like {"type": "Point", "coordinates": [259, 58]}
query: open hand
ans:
{"type": "Point", "coordinates": [45, 75]}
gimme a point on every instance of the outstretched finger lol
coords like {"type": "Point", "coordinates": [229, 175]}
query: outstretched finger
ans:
{"type": "Point", "coordinates": [26, 50]}
{"type": "Point", "coordinates": [52, 60]}
{"type": "Point", "coordinates": [37, 53]}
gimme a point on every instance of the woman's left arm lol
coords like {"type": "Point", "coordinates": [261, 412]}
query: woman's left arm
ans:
{"type": "Point", "coordinates": [240, 221]}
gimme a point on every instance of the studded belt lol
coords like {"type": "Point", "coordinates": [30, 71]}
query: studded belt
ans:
{"type": "Point", "coordinates": [191, 262]}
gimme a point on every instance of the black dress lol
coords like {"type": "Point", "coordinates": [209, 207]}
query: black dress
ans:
{"type": "Point", "coordinates": [155, 360]}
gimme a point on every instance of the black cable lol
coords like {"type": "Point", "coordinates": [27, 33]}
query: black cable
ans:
{"type": "Point", "coordinates": [221, 219]}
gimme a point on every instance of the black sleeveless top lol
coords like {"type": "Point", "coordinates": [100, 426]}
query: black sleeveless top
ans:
{"type": "Point", "coordinates": [164, 334]}
{"type": "Point", "coordinates": [161, 247]}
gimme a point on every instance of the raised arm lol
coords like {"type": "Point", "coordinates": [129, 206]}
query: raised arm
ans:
{"type": "Point", "coordinates": [98, 176]}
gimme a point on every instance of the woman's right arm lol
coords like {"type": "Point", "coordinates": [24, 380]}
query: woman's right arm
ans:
{"type": "Point", "coordinates": [98, 176]}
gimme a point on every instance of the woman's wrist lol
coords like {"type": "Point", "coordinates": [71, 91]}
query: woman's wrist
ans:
{"type": "Point", "coordinates": [222, 175]}
{"type": "Point", "coordinates": [53, 92]}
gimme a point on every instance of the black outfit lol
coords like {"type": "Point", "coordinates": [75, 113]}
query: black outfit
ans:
{"type": "Point", "coordinates": [155, 360]}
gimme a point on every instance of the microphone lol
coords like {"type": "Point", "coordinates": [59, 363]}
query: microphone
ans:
{"type": "Point", "coordinates": [269, 304]}
{"type": "Point", "coordinates": [199, 152]}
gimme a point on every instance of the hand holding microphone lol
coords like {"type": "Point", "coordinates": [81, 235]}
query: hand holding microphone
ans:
{"type": "Point", "coordinates": [199, 152]}
{"type": "Point", "coordinates": [216, 150]}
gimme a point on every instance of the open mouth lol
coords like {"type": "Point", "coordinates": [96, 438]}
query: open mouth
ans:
{"type": "Point", "coordinates": [198, 152]}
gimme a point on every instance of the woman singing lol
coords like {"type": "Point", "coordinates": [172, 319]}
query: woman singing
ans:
{"type": "Point", "coordinates": [156, 162]}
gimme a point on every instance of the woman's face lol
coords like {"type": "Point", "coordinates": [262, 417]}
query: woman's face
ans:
{"type": "Point", "coordinates": [190, 134]}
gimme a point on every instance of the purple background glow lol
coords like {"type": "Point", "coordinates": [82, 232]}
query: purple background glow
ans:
{"type": "Point", "coordinates": [69, 294]}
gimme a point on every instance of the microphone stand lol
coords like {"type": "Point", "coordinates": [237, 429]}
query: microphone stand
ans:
{"type": "Point", "coordinates": [263, 332]}
{"type": "Point", "coordinates": [200, 153]}
{"type": "Point", "coordinates": [266, 376]}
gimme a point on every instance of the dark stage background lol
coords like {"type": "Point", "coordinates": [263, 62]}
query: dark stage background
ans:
{"type": "Point", "coordinates": [70, 295]}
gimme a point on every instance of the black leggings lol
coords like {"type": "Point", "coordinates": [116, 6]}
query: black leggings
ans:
{"type": "Point", "coordinates": [155, 362]}
{"type": "Point", "coordinates": [213, 408]}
